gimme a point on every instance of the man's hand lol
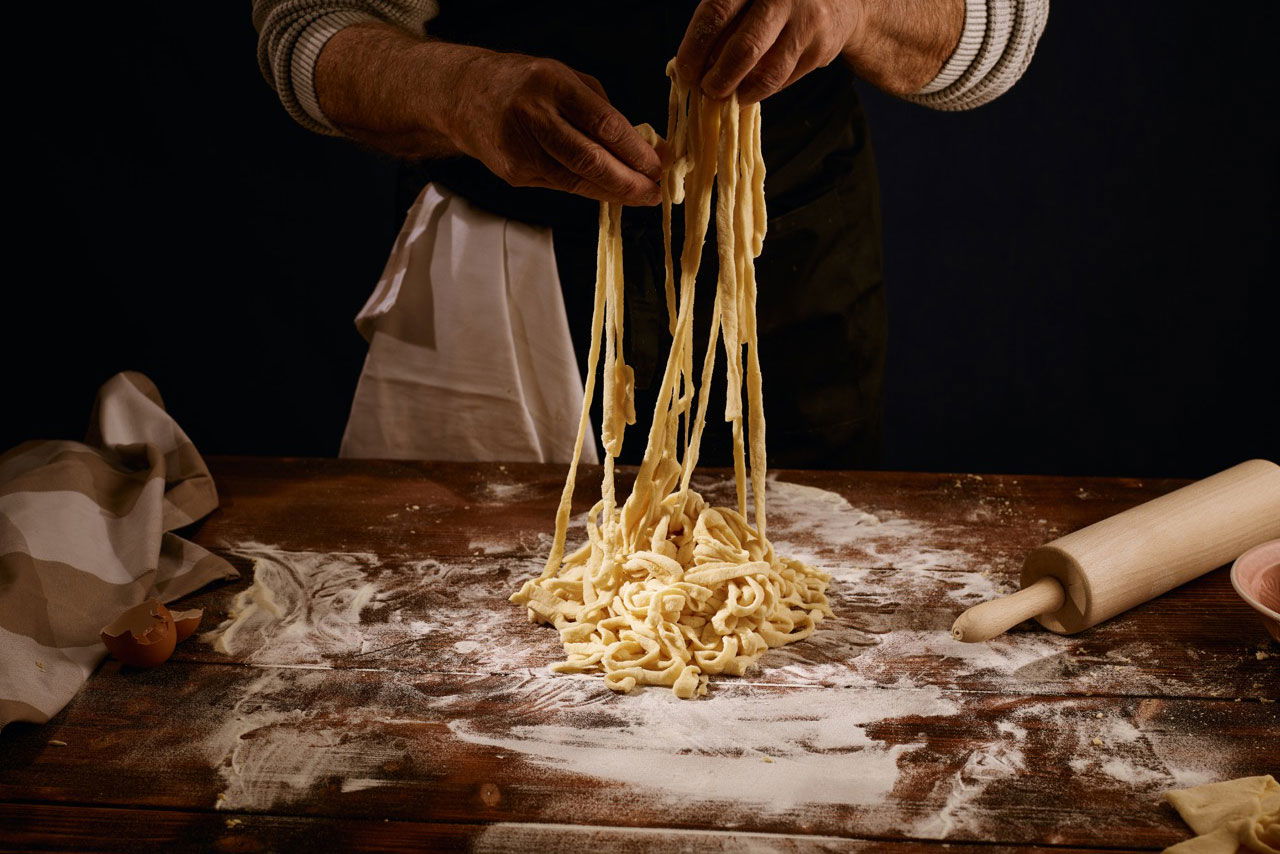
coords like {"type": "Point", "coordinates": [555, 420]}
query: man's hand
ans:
{"type": "Point", "coordinates": [537, 123]}
{"type": "Point", "coordinates": [534, 122]}
{"type": "Point", "coordinates": [758, 47]}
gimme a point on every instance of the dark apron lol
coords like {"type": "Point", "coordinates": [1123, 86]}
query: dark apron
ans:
{"type": "Point", "coordinates": [821, 299]}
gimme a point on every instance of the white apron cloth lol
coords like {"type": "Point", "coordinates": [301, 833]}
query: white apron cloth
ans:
{"type": "Point", "coordinates": [469, 350]}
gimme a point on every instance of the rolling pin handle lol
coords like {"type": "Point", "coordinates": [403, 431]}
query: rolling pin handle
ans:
{"type": "Point", "coordinates": [985, 621]}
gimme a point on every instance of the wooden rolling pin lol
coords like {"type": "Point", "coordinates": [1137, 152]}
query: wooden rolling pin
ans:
{"type": "Point", "coordinates": [1079, 580]}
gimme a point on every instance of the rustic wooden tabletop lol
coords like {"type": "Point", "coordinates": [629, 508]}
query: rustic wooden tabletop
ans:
{"type": "Point", "coordinates": [385, 695]}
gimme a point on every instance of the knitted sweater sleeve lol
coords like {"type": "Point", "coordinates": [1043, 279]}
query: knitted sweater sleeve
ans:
{"type": "Point", "coordinates": [995, 48]}
{"type": "Point", "coordinates": [291, 34]}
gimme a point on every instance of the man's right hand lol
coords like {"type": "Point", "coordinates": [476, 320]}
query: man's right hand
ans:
{"type": "Point", "coordinates": [534, 122]}
{"type": "Point", "coordinates": [538, 123]}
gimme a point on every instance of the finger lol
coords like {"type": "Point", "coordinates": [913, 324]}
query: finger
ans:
{"type": "Point", "coordinates": [774, 69]}
{"type": "Point", "coordinates": [595, 117]}
{"type": "Point", "coordinates": [540, 169]}
{"type": "Point", "coordinates": [752, 36]}
{"type": "Point", "coordinates": [808, 62]}
{"type": "Point", "coordinates": [589, 160]}
{"type": "Point", "coordinates": [594, 84]}
{"type": "Point", "coordinates": [553, 176]}
{"type": "Point", "coordinates": [710, 19]}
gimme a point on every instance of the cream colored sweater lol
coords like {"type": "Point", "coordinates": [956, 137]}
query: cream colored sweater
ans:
{"type": "Point", "coordinates": [995, 48]}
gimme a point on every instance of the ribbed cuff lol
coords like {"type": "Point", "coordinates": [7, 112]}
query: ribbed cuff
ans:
{"type": "Point", "coordinates": [1010, 30]}
{"type": "Point", "coordinates": [302, 63]}
{"type": "Point", "coordinates": [975, 30]}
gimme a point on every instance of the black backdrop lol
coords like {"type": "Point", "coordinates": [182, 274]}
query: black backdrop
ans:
{"type": "Point", "coordinates": [1083, 275]}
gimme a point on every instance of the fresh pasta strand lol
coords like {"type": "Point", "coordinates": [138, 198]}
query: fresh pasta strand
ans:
{"type": "Point", "coordinates": [668, 590]}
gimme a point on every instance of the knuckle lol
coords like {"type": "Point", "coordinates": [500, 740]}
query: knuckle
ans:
{"type": "Point", "coordinates": [767, 78]}
{"type": "Point", "coordinates": [541, 71]}
{"type": "Point", "coordinates": [590, 162]}
{"type": "Point", "coordinates": [745, 47]}
{"type": "Point", "coordinates": [606, 125]}
{"type": "Point", "coordinates": [715, 15]}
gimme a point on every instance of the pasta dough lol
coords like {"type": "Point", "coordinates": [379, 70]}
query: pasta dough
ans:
{"type": "Point", "coordinates": [668, 589]}
{"type": "Point", "coordinates": [1241, 814]}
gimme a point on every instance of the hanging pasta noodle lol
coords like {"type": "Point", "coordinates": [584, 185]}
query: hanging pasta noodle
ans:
{"type": "Point", "coordinates": [668, 590]}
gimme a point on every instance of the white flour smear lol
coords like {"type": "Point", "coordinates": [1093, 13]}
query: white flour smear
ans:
{"type": "Point", "coordinates": [815, 526]}
{"type": "Point", "coordinates": [505, 493]}
{"type": "Point", "coordinates": [310, 608]}
{"type": "Point", "coordinates": [286, 734]}
{"type": "Point", "coordinates": [773, 750]}
{"type": "Point", "coordinates": [998, 760]}
{"type": "Point", "coordinates": [300, 607]}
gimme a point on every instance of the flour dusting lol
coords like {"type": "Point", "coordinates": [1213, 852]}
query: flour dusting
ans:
{"type": "Point", "coordinates": [840, 726]}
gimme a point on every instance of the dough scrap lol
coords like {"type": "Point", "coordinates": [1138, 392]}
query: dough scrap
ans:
{"type": "Point", "coordinates": [1243, 813]}
{"type": "Point", "coordinates": [667, 589]}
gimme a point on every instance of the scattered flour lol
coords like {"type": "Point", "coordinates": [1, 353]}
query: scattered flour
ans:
{"type": "Point", "coordinates": [834, 723]}
{"type": "Point", "coordinates": [300, 607]}
{"type": "Point", "coordinates": [539, 543]}
{"type": "Point", "coordinates": [505, 493]}
{"type": "Point", "coordinates": [816, 525]}
{"type": "Point", "coordinates": [290, 732]}
{"type": "Point", "coordinates": [1108, 751]}
{"type": "Point", "coordinates": [997, 760]}
{"type": "Point", "coordinates": [270, 750]}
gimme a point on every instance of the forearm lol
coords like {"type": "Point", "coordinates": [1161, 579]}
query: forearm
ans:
{"type": "Point", "coordinates": [391, 90]}
{"type": "Point", "coordinates": [900, 47]}
{"type": "Point", "coordinates": [293, 33]}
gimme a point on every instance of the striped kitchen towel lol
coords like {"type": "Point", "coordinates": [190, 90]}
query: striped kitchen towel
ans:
{"type": "Point", "coordinates": [86, 532]}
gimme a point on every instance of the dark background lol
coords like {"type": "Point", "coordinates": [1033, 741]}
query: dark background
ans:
{"type": "Point", "coordinates": [1082, 275]}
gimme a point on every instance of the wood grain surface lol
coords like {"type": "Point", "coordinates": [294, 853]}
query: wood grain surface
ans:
{"type": "Point", "coordinates": [428, 719]}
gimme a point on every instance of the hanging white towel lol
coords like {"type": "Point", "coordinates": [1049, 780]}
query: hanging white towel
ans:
{"type": "Point", "coordinates": [469, 350]}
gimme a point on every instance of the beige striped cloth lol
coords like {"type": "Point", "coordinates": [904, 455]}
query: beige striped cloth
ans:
{"type": "Point", "coordinates": [86, 531]}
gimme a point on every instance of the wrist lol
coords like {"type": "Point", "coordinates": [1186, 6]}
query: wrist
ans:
{"type": "Point", "coordinates": [860, 26]}
{"type": "Point", "coordinates": [900, 50]}
{"type": "Point", "coordinates": [449, 79]}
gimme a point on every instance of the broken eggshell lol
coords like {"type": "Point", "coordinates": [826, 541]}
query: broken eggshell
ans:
{"type": "Point", "coordinates": [186, 622]}
{"type": "Point", "coordinates": [142, 636]}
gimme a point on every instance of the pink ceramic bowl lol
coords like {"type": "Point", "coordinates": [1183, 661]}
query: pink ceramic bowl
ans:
{"type": "Point", "coordinates": [1256, 577]}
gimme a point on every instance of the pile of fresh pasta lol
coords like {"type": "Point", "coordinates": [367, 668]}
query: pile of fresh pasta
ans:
{"type": "Point", "coordinates": [668, 590]}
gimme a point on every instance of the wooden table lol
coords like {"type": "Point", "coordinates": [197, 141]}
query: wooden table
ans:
{"type": "Point", "coordinates": [423, 715]}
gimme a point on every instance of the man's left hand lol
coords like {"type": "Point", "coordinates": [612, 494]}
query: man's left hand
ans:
{"type": "Point", "coordinates": [758, 47]}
